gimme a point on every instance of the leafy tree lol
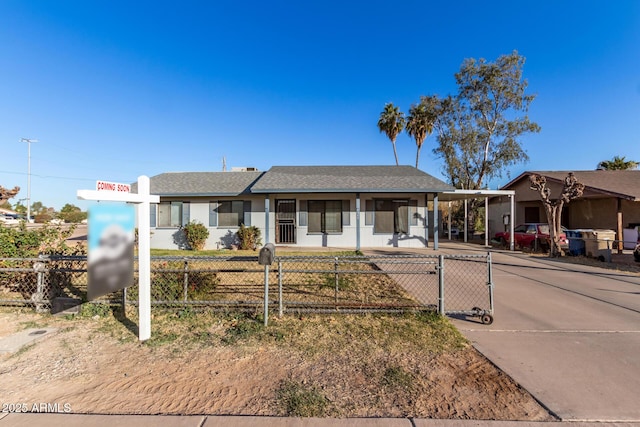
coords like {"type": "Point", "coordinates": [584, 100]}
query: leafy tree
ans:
{"type": "Point", "coordinates": [38, 208]}
{"type": "Point", "coordinates": [72, 213]}
{"type": "Point", "coordinates": [572, 189]}
{"type": "Point", "coordinates": [618, 163]}
{"type": "Point", "coordinates": [420, 122]}
{"type": "Point", "coordinates": [480, 129]}
{"type": "Point", "coordinates": [392, 122]}
{"type": "Point", "coordinates": [20, 208]}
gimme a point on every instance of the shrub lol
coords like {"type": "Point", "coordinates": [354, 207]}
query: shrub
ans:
{"type": "Point", "coordinates": [249, 237]}
{"type": "Point", "coordinates": [196, 234]}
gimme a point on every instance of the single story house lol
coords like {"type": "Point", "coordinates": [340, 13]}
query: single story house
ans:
{"type": "Point", "coordinates": [337, 206]}
{"type": "Point", "coordinates": [611, 200]}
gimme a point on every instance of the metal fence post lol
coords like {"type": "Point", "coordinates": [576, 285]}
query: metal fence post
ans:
{"type": "Point", "coordinates": [336, 277]}
{"type": "Point", "coordinates": [441, 284]}
{"type": "Point", "coordinates": [490, 281]}
{"type": "Point", "coordinates": [38, 297]}
{"type": "Point", "coordinates": [266, 295]}
{"type": "Point", "coordinates": [186, 280]}
{"type": "Point", "coordinates": [280, 288]}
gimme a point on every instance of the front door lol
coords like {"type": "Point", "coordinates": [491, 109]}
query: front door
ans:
{"type": "Point", "coordinates": [286, 221]}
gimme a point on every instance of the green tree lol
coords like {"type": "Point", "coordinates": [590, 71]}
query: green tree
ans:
{"type": "Point", "coordinates": [72, 213]}
{"type": "Point", "coordinates": [618, 163]}
{"type": "Point", "coordinates": [392, 122]}
{"type": "Point", "coordinates": [420, 122]}
{"type": "Point", "coordinates": [20, 208]}
{"type": "Point", "coordinates": [480, 129]}
{"type": "Point", "coordinates": [38, 208]}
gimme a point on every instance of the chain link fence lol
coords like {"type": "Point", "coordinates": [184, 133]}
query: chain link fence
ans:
{"type": "Point", "coordinates": [447, 283]}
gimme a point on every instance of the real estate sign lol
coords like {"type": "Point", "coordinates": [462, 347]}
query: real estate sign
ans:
{"type": "Point", "coordinates": [111, 244]}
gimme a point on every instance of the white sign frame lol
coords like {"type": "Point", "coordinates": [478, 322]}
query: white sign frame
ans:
{"type": "Point", "coordinates": [143, 200]}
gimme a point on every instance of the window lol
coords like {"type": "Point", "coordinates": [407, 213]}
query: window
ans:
{"type": "Point", "coordinates": [531, 214]}
{"type": "Point", "coordinates": [230, 213]}
{"type": "Point", "coordinates": [325, 216]}
{"type": "Point", "coordinates": [173, 214]}
{"type": "Point", "coordinates": [391, 216]}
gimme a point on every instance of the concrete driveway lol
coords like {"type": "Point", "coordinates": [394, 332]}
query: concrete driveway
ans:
{"type": "Point", "coordinates": [569, 334]}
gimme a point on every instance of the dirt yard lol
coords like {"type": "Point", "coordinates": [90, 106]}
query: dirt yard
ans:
{"type": "Point", "coordinates": [317, 365]}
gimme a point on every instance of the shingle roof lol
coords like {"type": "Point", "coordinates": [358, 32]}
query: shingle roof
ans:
{"type": "Point", "coordinates": [336, 179]}
{"type": "Point", "coordinates": [202, 183]}
{"type": "Point", "coordinates": [297, 179]}
{"type": "Point", "coordinates": [617, 183]}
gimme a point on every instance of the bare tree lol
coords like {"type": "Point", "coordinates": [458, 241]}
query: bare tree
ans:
{"type": "Point", "coordinates": [572, 189]}
{"type": "Point", "coordinates": [6, 194]}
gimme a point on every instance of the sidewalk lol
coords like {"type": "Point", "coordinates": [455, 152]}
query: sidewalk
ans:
{"type": "Point", "coordinates": [69, 420]}
{"type": "Point", "coordinates": [569, 334]}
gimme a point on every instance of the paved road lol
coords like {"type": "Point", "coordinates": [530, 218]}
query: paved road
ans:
{"type": "Point", "coordinates": [569, 334]}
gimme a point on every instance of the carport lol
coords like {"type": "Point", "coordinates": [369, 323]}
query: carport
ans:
{"type": "Point", "coordinates": [466, 195]}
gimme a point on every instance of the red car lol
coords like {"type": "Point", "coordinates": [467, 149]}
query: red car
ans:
{"type": "Point", "coordinates": [532, 236]}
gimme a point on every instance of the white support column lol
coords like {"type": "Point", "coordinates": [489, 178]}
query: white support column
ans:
{"type": "Point", "coordinates": [449, 220]}
{"type": "Point", "coordinates": [466, 219]}
{"type": "Point", "coordinates": [436, 222]}
{"type": "Point", "coordinates": [512, 220]}
{"type": "Point", "coordinates": [486, 222]}
{"type": "Point", "coordinates": [426, 220]}
{"type": "Point", "coordinates": [266, 219]}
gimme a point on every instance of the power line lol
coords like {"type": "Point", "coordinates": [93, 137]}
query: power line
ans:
{"type": "Point", "coordinates": [61, 177]}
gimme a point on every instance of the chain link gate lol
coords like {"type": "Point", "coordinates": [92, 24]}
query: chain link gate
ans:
{"type": "Point", "coordinates": [450, 284]}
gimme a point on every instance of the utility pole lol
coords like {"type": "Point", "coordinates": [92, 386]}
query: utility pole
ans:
{"type": "Point", "coordinates": [28, 141]}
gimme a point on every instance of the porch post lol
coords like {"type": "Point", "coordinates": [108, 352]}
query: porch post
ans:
{"type": "Point", "coordinates": [486, 222]}
{"type": "Point", "coordinates": [436, 221]}
{"type": "Point", "coordinates": [426, 220]}
{"type": "Point", "coordinates": [357, 221]}
{"type": "Point", "coordinates": [266, 219]}
{"type": "Point", "coordinates": [449, 220]}
{"type": "Point", "coordinates": [466, 218]}
{"type": "Point", "coordinates": [620, 229]}
{"type": "Point", "coordinates": [512, 220]}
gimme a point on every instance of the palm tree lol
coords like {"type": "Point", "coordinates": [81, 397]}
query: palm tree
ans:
{"type": "Point", "coordinates": [617, 163]}
{"type": "Point", "coordinates": [391, 122]}
{"type": "Point", "coordinates": [419, 125]}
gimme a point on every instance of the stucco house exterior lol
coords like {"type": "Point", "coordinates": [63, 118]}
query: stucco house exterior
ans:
{"type": "Point", "coordinates": [336, 206]}
{"type": "Point", "coordinates": [611, 200]}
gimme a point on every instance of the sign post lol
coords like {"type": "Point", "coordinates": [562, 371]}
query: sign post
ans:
{"type": "Point", "coordinates": [109, 191]}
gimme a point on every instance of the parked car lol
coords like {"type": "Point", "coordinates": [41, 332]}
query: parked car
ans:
{"type": "Point", "coordinates": [532, 236]}
{"type": "Point", "coordinates": [9, 219]}
{"type": "Point", "coordinates": [636, 253]}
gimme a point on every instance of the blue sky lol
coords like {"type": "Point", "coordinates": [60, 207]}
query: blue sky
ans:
{"type": "Point", "coordinates": [114, 90]}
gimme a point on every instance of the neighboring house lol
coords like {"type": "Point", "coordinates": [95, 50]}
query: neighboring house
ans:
{"type": "Point", "coordinates": [337, 206]}
{"type": "Point", "coordinates": [611, 200]}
